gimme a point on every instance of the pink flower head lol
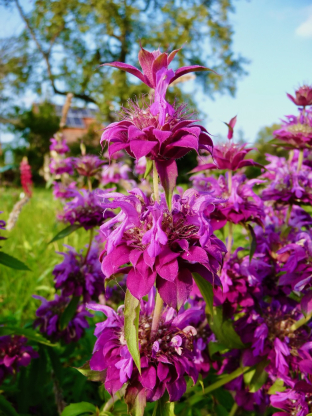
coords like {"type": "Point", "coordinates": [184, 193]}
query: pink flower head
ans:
{"type": "Point", "coordinates": [303, 96]}
{"type": "Point", "coordinates": [140, 134]}
{"type": "Point", "coordinates": [158, 76]}
{"type": "Point", "coordinates": [26, 178]}
{"type": "Point", "coordinates": [161, 245]}
{"type": "Point", "coordinates": [87, 165]}
{"type": "Point", "coordinates": [59, 147]}
{"type": "Point", "coordinates": [167, 356]}
{"type": "Point", "coordinates": [58, 167]}
{"type": "Point", "coordinates": [296, 131]}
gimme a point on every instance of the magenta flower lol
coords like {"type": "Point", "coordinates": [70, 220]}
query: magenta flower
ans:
{"type": "Point", "coordinates": [2, 227]}
{"type": "Point", "coordinates": [78, 275]}
{"type": "Point", "coordinates": [49, 315]}
{"type": "Point", "coordinates": [57, 167]}
{"type": "Point", "coordinates": [63, 191]}
{"type": "Point", "coordinates": [14, 353]}
{"type": "Point", "coordinates": [87, 165]}
{"type": "Point", "coordinates": [303, 96]}
{"type": "Point", "coordinates": [241, 204]}
{"type": "Point", "coordinates": [140, 134]}
{"type": "Point", "coordinates": [166, 356]}
{"type": "Point", "coordinates": [26, 177]}
{"type": "Point", "coordinates": [297, 131]}
{"type": "Point", "coordinates": [161, 246]}
{"type": "Point", "coordinates": [156, 75]}
{"type": "Point", "coordinates": [114, 172]}
{"type": "Point", "coordinates": [59, 147]}
{"type": "Point", "coordinates": [85, 209]}
{"type": "Point", "coordinates": [291, 403]}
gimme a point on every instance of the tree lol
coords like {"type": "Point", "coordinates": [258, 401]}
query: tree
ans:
{"type": "Point", "coordinates": [68, 41]}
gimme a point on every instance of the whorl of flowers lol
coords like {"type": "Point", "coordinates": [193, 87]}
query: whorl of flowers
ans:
{"type": "Point", "coordinates": [49, 319]}
{"type": "Point", "coordinates": [85, 209]}
{"type": "Point", "coordinates": [140, 134]}
{"type": "Point", "coordinates": [87, 165]}
{"type": "Point", "coordinates": [238, 202]}
{"type": "Point", "coordinates": [59, 147]}
{"type": "Point", "coordinates": [303, 96]}
{"type": "Point", "coordinates": [63, 191]}
{"type": "Point", "coordinates": [80, 275]}
{"type": "Point", "coordinates": [2, 227]}
{"type": "Point", "coordinates": [26, 177]}
{"type": "Point", "coordinates": [60, 166]}
{"type": "Point", "coordinates": [14, 353]}
{"type": "Point", "coordinates": [297, 130]}
{"type": "Point", "coordinates": [161, 245]}
{"type": "Point", "coordinates": [288, 186]}
{"type": "Point", "coordinates": [166, 355]}
{"type": "Point", "coordinates": [114, 172]}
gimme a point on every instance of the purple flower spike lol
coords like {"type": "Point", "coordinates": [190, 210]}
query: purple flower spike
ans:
{"type": "Point", "coordinates": [2, 227]}
{"type": "Point", "coordinates": [49, 315]}
{"type": "Point", "coordinates": [166, 356]}
{"type": "Point", "coordinates": [161, 245]}
{"type": "Point", "coordinates": [14, 353]}
{"type": "Point", "coordinates": [156, 75]}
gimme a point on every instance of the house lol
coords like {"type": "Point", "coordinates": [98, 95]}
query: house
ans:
{"type": "Point", "coordinates": [79, 122]}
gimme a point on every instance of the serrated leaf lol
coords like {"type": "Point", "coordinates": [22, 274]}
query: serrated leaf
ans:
{"type": "Point", "coordinates": [28, 333]}
{"type": "Point", "coordinates": [149, 167]}
{"type": "Point", "coordinates": [164, 407]}
{"type": "Point", "coordinates": [206, 290]}
{"type": "Point", "coordinates": [69, 312]}
{"type": "Point", "coordinates": [12, 262]}
{"type": "Point", "coordinates": [6, 408]}
{"type": "Point", "coordinates": [132, 314]}
{"type": "Point", "coordinates": [253, 242]}
{"type": "Point", "coordinates": [76, 409]}
{"type": "Point", "coordinates": [91, 375]}
{"type": "Point", "coordinates": [64, 233]}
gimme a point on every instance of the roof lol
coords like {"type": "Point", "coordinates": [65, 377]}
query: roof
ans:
{"type": "Point", "coordinates": [75, 116]}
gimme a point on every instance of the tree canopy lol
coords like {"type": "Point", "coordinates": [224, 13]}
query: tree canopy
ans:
{"type": "Point", "coordinates": [63, 44]}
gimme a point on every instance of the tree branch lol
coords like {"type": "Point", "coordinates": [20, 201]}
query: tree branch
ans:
{"type": "Point", "coordinates": [45, 56]}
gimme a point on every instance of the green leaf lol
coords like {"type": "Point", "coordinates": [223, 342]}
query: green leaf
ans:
{"type": "Point", "coordinates": [69, 312]}
{"type": "Point", "coordinates": [214, 347]}
{"type": "Point", "coordinates": [12, 262]}
{"type": "Point", "coordinates": [64, 233]}
{"type": "Point", "coordinates": [76, 409]}
{"type": "Point", "coordinates": [278, 386]}
{"type": "Point", "coordinates": [164, 407]}
{"type": "Point", "coordinates": [132, 314]}
{"type": "Point", "coordinates": [260, 376]}
{"type": "Point", "coordinates": [149, 167]}
{"type": "Point", "coordinates": [7, 408]}
{"type": "Point", "coordinates": [253, 242]}
{"type": "Point", "coordinates": [139, 404]}
{"type": "Point", "coordinates": [224, 330]}
{"type": "Point", "coordinates": [28, 333]}
{"type": "Point", "coordinates": [206, 290]}
{"type": "Point", "coordinates": [91, 375]}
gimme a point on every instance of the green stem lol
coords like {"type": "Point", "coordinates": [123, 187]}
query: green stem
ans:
{"type": "Point", "coordinates": [155, 182]}
{"type": "Point", "coordinates": [291, 155]}
{"type": "Point", "coordinates": [226, 379]}
{"type": "Point", "coordinates": [300, 160]}
{"type": "Point", "coordinates": [301, 322]}
{"type": "Point", "coordinates": [89, 184]}
{"type": "Point", "coordinates": [230, 181]}
{"type": "Point", "coordinates": [229, 239]}
{"type": "Point", "coordinates": [157, 313]}
{"type": "Point", "coordinates": [89, 247]}
{"type": "Point", "coordinates": [234, 409]}
{"type": "Point", "coordinates": [288, 214]}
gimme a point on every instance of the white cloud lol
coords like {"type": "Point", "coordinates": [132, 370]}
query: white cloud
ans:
{"type": "Point", "coordinates": [305, 29]}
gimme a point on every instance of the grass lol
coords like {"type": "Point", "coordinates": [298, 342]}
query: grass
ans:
{"type": "Point", "coordinates": [28, 241]}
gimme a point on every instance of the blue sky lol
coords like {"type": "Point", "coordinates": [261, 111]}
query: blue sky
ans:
{"type": "Point", "coordinates": [276, 36]}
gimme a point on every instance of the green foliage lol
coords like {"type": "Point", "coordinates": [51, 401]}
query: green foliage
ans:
{"type": "Point", "coordinates": [76, 409]}
{"type": "Point", "coordinates": [65, 42]}
{"type": "Point", "coordinates": [64, 233]}
{"type": "Point", "coordinates": [12, 262]}
{"type": "Point", "coordinates": [132, 313]}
